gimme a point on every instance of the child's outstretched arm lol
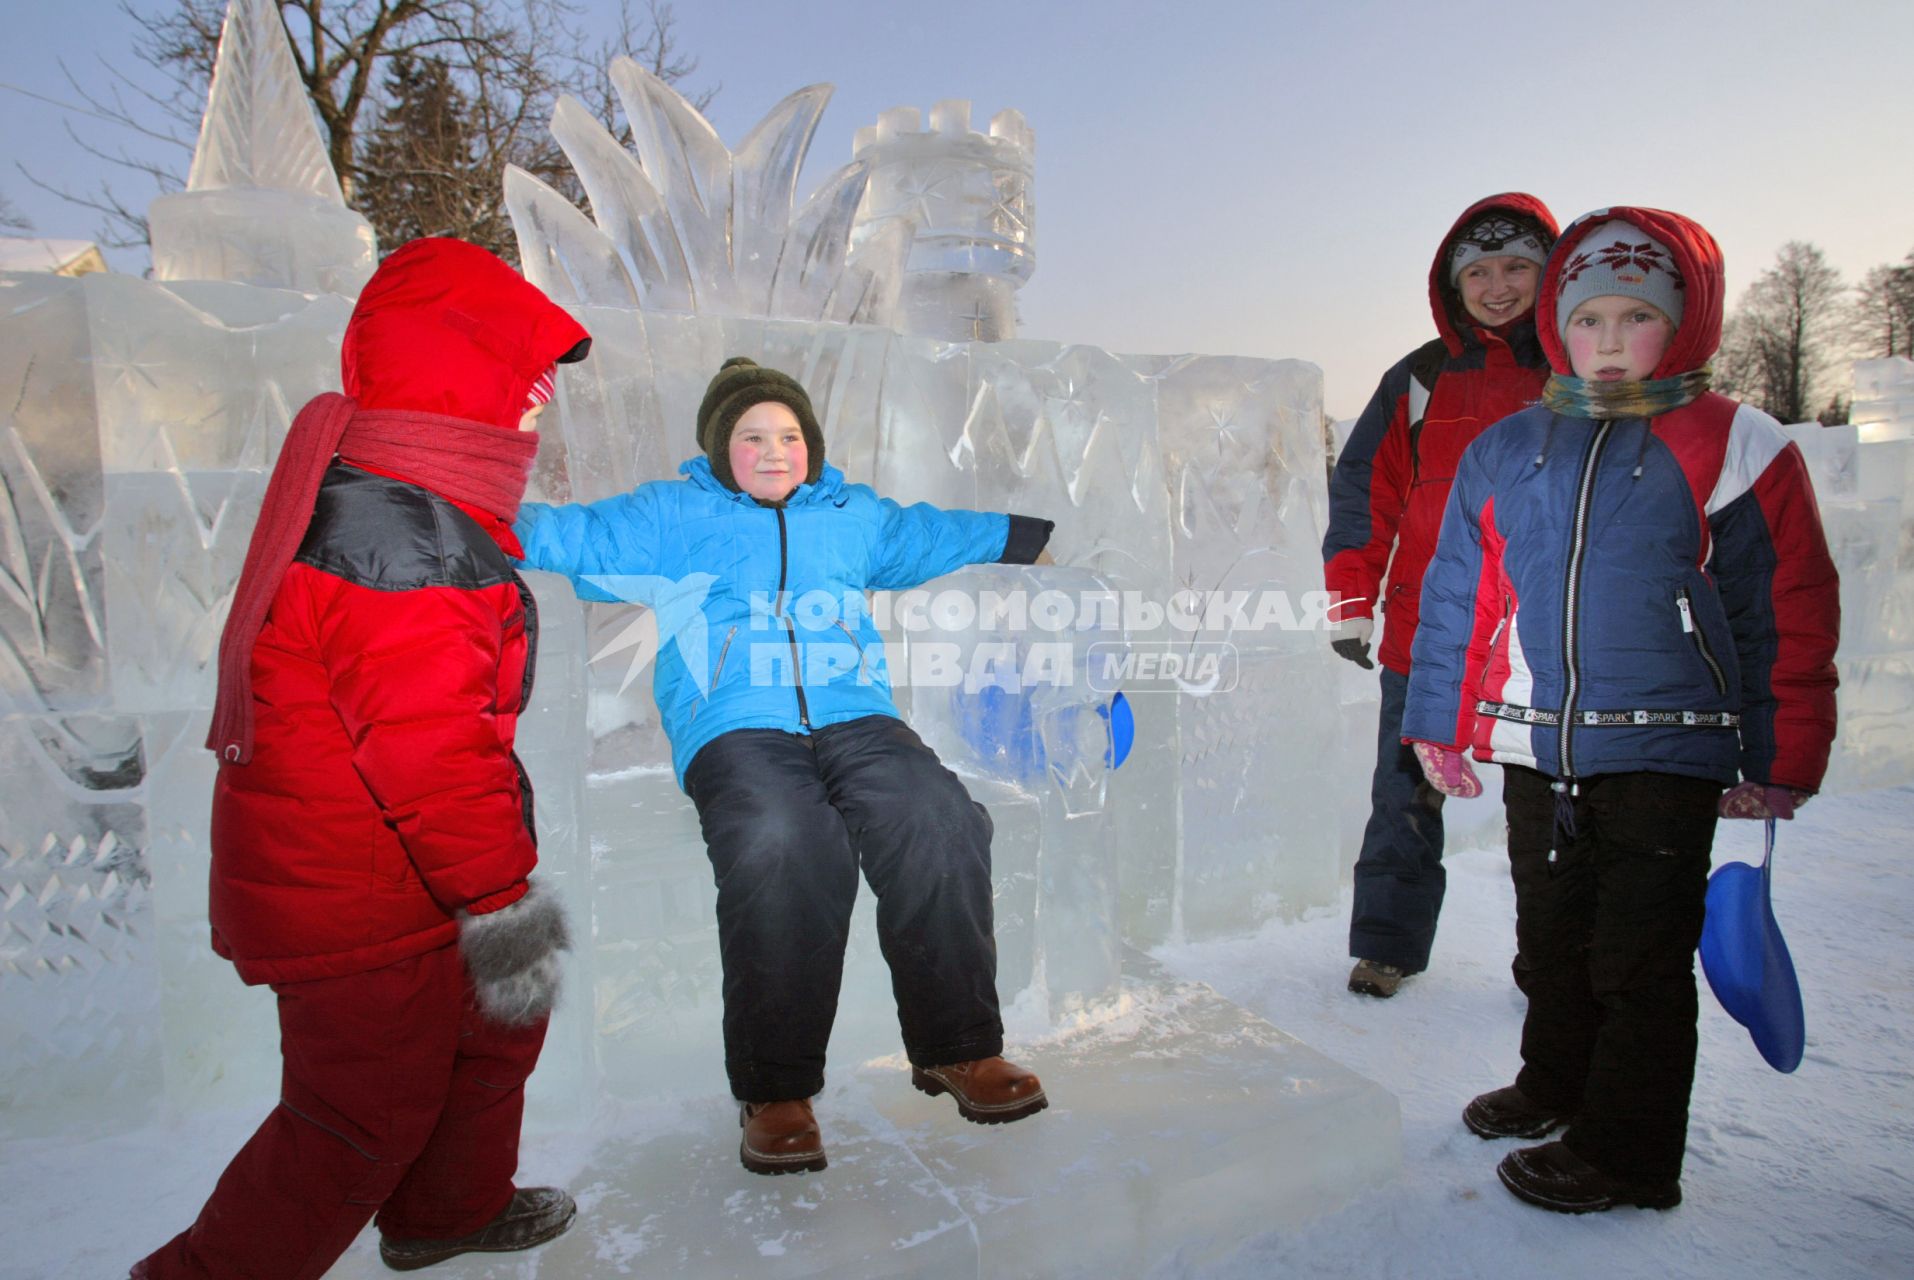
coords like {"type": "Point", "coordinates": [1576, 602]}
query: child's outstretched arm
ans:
{"type": "Point", "coordinates": [615, 537]}
{"type": "Point", "coordinates": [921, 542]}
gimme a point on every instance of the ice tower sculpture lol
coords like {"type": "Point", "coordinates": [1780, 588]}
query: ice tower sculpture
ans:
{"type": "Point", "coordinates": [970, 197]}
{"type": "Point", "coordinates": [262, 205]}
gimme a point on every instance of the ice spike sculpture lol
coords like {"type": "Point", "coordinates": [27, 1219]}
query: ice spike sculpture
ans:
{"type": "Point", "coordinates": [689, 225]}
{"type": "Point", "coordinates": [970, 198]}
{"type": "Point", "coordinates": [262, 204]}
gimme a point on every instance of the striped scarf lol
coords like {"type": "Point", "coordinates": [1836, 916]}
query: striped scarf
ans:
{"type": "Point", "coordinates": [1580, 398]}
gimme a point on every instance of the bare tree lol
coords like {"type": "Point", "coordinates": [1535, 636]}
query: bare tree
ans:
{"type": "Point", "coordinates": [1883, 317]}
{"type": "Point", "coordinates": [504, 60]}
{"type": "Point", "coordinates": [11, 219]}
{"type": "Point", "coordinates": [1779, 347]}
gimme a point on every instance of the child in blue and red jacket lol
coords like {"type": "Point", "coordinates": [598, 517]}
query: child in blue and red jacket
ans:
{"type": "Point", "coordinates": [1631, 607]}
{"type": "Point", "coordinates": [372, 837]}
{"type": "Point", "coordinates": [1386, 500]}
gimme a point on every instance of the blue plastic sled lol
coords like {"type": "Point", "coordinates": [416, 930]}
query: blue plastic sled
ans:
{"type": "Point", "coordinates": [1747, 962]}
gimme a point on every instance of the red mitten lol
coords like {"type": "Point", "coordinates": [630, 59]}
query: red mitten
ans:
{"type": "Point", "coordinates": [1759, 800]}
{"type": "Point", "coordinates": [1448, 771]}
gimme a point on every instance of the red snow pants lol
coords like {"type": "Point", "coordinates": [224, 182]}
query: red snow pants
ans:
{"type": "Point", "coordinates": [397, 1098]}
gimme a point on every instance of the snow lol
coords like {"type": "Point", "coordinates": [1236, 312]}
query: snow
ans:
{"type": "Point", "coordinates": [1786, 1175]}
{"type": "Point", "coordinates": [1796, 1175]}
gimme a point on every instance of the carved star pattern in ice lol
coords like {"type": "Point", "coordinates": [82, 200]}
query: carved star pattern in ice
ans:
{"type": "Point", "coordinates": [923, 191]}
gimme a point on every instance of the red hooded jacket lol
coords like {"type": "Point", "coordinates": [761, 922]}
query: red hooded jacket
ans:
{"type": "Point", "coordinates": [1390, 484]}
{"type": "Point", "coordinates": [382, 794]}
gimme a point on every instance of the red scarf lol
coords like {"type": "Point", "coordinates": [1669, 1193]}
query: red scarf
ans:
{"type": "Point", "coordinates": [472, 463]}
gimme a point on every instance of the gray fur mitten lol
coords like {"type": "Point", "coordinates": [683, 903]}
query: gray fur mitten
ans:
{"type": "Point", "coordinates": [512, 955]}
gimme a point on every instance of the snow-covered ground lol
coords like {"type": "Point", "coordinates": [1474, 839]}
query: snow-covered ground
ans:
{"type": "Point", "coordinates": [1801, 1175]}
{"type": "Point", "coordinates": [1809, 1174]}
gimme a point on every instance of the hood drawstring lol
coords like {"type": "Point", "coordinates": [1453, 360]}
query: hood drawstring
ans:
{"type": "Point", "coordinates": [1641, 454]}
{"type": "Point", "coordinates": [1548, 437]}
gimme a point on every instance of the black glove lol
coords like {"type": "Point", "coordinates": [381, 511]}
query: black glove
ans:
{"type": "Point", "coordinates": [512, 955]}
{"type": "Point", "coordinates": [1351, 641]}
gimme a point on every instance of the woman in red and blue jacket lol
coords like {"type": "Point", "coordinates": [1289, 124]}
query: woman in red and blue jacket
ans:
{"type": "Point", "coordinates": [1386, 498]}
{"type": "Point", "coordinates": [1631, 607]}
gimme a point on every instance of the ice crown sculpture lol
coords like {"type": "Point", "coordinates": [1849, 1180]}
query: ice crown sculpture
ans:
{"type": "Point", "coordinates": [689, 225]}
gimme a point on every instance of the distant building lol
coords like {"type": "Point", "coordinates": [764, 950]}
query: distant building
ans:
{"type": "Point", "coordinates": [60, 257]}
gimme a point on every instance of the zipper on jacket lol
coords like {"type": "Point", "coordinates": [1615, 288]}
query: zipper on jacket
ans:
{"type": "Point", "coordinates": [1685, 603]}
{"type": "Point", "coordinates": [1578, 545]}
{"type": "Point", "coordinates": [790, 629]}
{"type": "Point", "coordinates": [530, 605]}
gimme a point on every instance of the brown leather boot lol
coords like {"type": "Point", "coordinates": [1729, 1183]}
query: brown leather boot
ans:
{"type": "Point", "coordinates": [535, 1215]}
{"type": "Point", "coordinates": [780, 1137]}
{"type": "Point", "coordinates": [988, 1090]}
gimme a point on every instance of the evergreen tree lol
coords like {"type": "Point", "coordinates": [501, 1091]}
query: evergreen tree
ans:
{"type": "Point", "coordinates": [422, 170]}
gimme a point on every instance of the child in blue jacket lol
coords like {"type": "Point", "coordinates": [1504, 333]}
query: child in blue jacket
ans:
{"type": "Point", "coordinates": [771, 685]}
{"type": "Point", "coordinates": [1631, 608]}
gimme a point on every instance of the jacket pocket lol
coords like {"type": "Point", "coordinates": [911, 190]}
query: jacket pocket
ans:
{"type": "Point", "coordinates": [842, 626]}
{"type": "Point", "coordinates": [1495, 637]}
{"type": "Point", "coordinates": [1685, 606]}
{"type": "Point", "coordinates": [717, 670]}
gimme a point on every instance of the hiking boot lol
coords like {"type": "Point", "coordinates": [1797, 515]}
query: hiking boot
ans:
{"type": "Point", "coordinates": [780, 1137]}
{"type": "Point", "coordinates": [987, 1090]}
{"type": "Point", "coordinates": [1508, 1113]}
{"type": "Point", "coordinates": [535, 1215]}
{"type": "Point", "coordinates": [1372, 978]}
{"type": "Point", "coordinates": [1555, 1178]}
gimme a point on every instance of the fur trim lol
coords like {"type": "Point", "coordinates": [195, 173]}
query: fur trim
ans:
{"type": "Point", "coordinates": [512, 955]}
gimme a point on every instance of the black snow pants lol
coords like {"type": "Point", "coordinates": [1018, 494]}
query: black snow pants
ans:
{"type": "Point", "coordinates": [1606, 925]}
{"type": "Point", "coordinates": [788, 822]}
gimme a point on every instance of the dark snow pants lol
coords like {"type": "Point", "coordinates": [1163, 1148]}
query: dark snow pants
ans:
{"type": "Point", "coordinates": [1606, 925]}
{"type": "Point", "coordinates": [788, 822]}
{"type": "Point", "coordinates": [1399, 875]}
{"type": "Point", "coordinates": [397, 1099]}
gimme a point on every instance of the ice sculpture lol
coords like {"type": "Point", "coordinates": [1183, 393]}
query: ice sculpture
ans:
{"type": "Point", "coordinates": [1864, 480]}
{"type": "Point", "coordinates": [262, 205]}
{"type": "Point", "coordinates": [971, 198]}
{"type": "Point", "coordinates": [139, 420]}
{"type": "Point", "coordinates": [689, 225]}
{"type": "Point", "coordinates": [1883, 405]}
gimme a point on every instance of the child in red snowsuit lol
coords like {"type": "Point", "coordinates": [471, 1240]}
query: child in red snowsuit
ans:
{"type": "Point", "coordinates": [372, 836]}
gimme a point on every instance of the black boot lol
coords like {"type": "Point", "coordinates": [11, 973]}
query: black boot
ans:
{"type": "Point", "coordinates": [1508, 1113]}
{"type": "Point", "coordinates": [1555, 1178]}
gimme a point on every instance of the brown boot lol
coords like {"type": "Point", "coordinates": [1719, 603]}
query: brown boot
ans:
{"type": "Point", "coordinates": [988, 1090]}
{"type": "Point", "coordinates": [780, 1137]}
{"type": "Point", "coordinates": [535, 1215]}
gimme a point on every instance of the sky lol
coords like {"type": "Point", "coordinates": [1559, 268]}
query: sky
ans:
{"type": "Point", "coordinates": [1264, 177]}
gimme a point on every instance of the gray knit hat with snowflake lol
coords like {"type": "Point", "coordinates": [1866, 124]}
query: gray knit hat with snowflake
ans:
{"type": "Point", "coordinates": [1619, 259]}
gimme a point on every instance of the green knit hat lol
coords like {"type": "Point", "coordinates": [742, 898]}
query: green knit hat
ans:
{"type": "Point", "coordinates": [741, 383]}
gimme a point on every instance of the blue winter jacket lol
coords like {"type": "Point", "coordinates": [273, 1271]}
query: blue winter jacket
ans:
{"type": "Point", "coordinates": [1630, 594]}
{"type": "Point", "coordinates": [761, 614]}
